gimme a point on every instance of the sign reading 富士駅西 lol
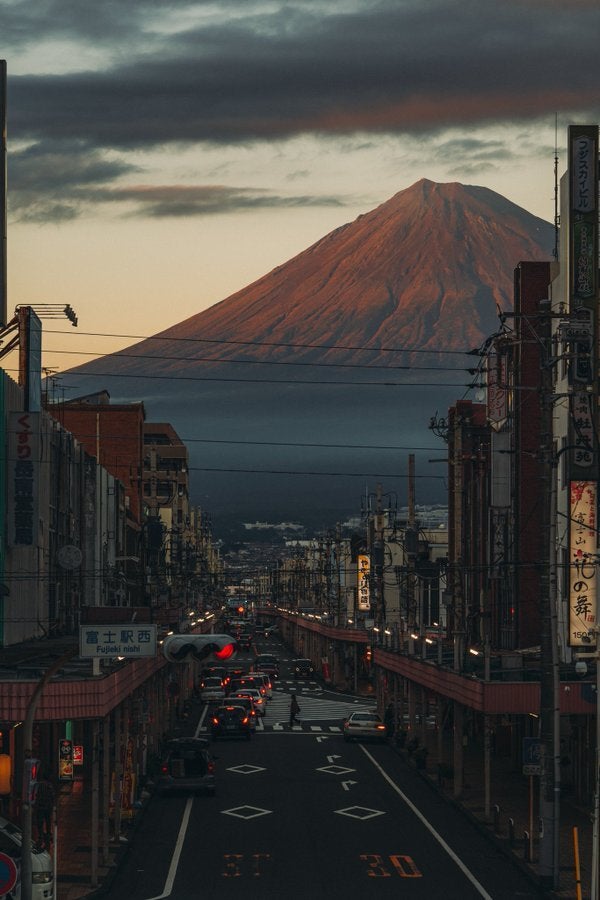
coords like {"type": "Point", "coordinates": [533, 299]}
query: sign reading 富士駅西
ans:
{"type": "Point", "coordinates": [109, 641]}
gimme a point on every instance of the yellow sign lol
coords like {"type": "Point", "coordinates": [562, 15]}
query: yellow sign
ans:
{"type": "Point", "coordinates": [364, 579]}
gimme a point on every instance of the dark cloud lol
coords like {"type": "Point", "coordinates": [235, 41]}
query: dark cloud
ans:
{"type": "Point", "coordinates": [58, 182]}
{"type": "Point", "coordinates": [184, 73]}
{"type": "Point", "coordinates": [388, 67]}
{"type": "Point", "coordinates": [186, 200]}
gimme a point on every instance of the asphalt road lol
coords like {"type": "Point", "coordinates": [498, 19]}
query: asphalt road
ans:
{"type": "Point", "coordinates": [299, 813]}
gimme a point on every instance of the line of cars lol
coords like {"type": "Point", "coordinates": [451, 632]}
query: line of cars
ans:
{"type": "Point", "coordinates": [237, 697]}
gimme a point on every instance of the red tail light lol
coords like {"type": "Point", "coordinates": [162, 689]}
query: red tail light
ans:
{"type": "Point", "coordinates": [245, 720]}
{"type": "Point", "coordinates": [211, 767]}
{"type": "Point", "coordinates": [164, 769]}
{"type": "Point", "coordinates": [215, 720]}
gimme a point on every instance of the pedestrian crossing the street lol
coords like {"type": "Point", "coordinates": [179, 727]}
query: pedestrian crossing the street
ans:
{"type": "Point", "coordinates": [317, 713]}
{"type": "Point", "coordinates": [314, 709]}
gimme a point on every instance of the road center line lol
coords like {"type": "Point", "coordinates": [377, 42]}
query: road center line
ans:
{"type": "Point", "coordinates": [168, 888]}
{"type": "Point", "coordinates": [478, 887]}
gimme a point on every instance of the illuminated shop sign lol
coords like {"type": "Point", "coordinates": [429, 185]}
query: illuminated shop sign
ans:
{"type": "Point", "coordinates": [364, 578]}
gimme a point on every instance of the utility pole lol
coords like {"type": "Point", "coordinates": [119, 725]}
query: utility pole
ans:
{"type": "Point", "coordinates": [549, 675]}
{"type": "Point", "coordinates": [410, 544]}
{"type": "Point", "coordinates": [26, 804]}
{"type": "Point", "coordinates": [378, 554]}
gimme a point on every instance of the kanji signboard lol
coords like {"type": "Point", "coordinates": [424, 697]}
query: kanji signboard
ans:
{"type": "Point", "coordinates": [109, 641]}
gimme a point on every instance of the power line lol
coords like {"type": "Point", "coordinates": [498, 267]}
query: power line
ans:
{"type": "Point", "coordinates": [163, 337]}
{"type": "Point", "coordinates": [292, 381]}
{"type": "Point", "coordinates": [257, 362]}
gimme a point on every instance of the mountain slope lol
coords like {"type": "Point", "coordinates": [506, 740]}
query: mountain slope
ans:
{"type": "Point", "coordinates": [424, 271]}
{"type": "Point", "coordinates": [420, 275]}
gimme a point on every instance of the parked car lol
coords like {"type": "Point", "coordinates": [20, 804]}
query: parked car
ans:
{"type": "Point", "coordinates": [212, 689]}
{"type": "Point", "coordinates": [187, 766]}
{"type": "Point", "coordinates": [303, 668]}
{"type": "Point", "coordinates": [364, 724]}
{"type": "Point", "coordinates": [260, 702]}
{"type": "Point", "coordinates": [230, 721]}
{"type": "Point", "coordinates": [42, 878]}
{"type": "Point", "coordinates": [266, 662]}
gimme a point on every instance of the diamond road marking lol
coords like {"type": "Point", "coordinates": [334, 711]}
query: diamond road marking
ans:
{"type": "Point", "coordinates": [335, 770]}
{"type": "Point", "coordinates": [359, 812]}
{"type": "Point", "coordinates": [246, 812]}
{"type": "Point", "coordinates": [246, 769]}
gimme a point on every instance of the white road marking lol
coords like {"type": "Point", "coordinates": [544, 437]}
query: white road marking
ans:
{"type": "Point", "coordinates": [168, 888]}
{"type": "Point", "coordinates": [478, 887]}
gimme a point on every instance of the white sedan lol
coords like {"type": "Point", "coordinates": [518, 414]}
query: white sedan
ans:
{"type": "Point", "coordinates": [364, 724]}
{"type": "Point", "coordinates": [212, 689]}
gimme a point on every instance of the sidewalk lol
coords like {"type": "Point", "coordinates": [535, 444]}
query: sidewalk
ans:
{"type": "Point", "coordinates": [74, 845]}
{"type": "Point", "coordinates": [511, 812]}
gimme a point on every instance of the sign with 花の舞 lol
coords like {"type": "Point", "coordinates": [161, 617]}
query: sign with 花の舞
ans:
{"type": "Point", "coordinates": [583, 562]}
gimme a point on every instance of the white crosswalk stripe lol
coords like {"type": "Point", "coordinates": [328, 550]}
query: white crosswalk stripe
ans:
{"type": "Point", "coordinates": [312, 709]}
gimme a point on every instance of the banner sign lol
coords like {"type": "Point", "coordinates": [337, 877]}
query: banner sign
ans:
{"type": "Point", "coordinates": [65, 759]}
{"type": "Point", "coordinates": [583, 562]}
{"type": "Point", "coordinates": [364, 579]}
{"type": "Point", "coordinates": [23, 477]}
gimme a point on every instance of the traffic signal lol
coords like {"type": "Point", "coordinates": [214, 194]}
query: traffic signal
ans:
{"type": "Point", "coordinates": [179, 647]}
{"type": "Point", "coordinates": [32, 768]}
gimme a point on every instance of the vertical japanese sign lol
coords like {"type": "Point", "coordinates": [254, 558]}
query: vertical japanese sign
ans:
{"type": "Point", "coordinates": [364, 578]}
{"type": "Point", "coordinates": [23, 476]}
{"type": "Point", "coordinates": [583, 296]}
{"type": "Point", "coordinates": [583, 564]}
{"type": "Point", "coordinates": [65, 759]}
{"type": "Point", "coordinates": [497, 390]}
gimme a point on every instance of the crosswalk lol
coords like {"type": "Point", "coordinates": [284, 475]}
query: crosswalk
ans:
{"type": "Point", "coordinates": [317, 713]}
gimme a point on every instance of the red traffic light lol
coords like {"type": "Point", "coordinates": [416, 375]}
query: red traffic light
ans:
{"type": "Point", "coordinates": [226, 652]}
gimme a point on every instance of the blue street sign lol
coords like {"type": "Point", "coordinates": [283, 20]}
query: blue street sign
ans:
{"type": "Point", "coordinates": [532, 756]}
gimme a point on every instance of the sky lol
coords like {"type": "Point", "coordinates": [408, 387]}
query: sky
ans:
{"type": "Point", "coordinates": [162, 155]}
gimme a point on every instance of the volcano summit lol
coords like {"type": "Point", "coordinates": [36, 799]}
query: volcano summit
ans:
{"type": "Point", "coordinates": [301, 390]}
